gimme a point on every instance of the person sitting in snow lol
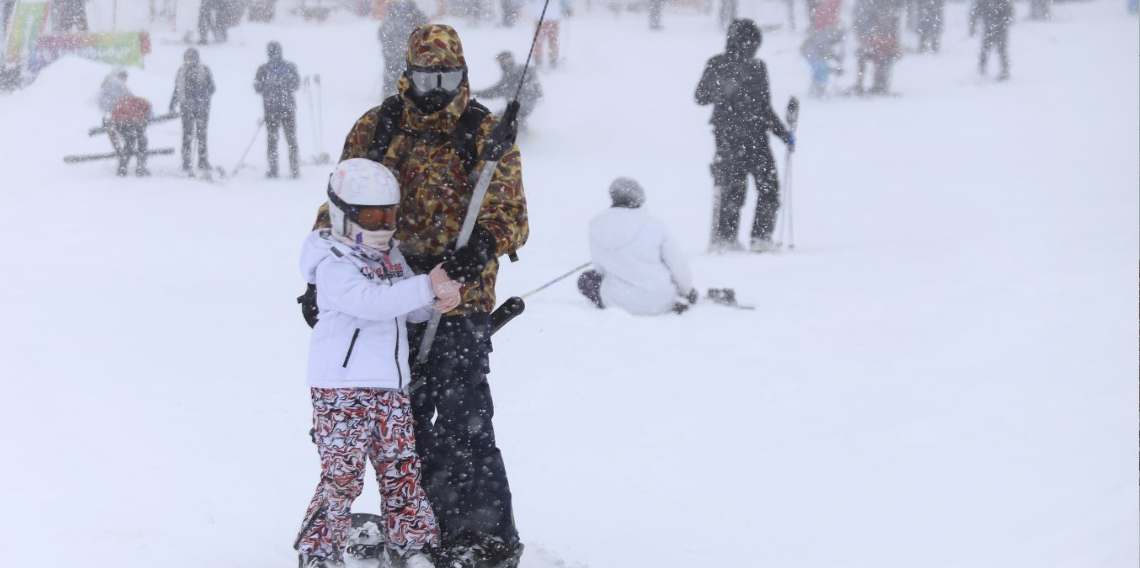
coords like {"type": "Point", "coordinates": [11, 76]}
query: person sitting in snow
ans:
{"type": "Point", "coordinates": [361, 408]}
{"type": "Point", "coordinates": [637, 265]}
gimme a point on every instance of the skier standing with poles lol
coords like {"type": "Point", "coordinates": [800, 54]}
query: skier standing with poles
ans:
{"type": "Point", "coordinates": [276, 81]}
{"type": "Point", "coordinates": [193, 90]}
{"type": "Point", "coordinates": [434, 139]}
{"type": "Point", "coordinates": [736, 84]}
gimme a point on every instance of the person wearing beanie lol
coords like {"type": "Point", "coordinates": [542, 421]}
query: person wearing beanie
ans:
{"type": "Point", "coordinates": [736, 84]}
{"type": "Point", "coordinates": [638, 266]}
{"type": "Point", "coordinates": [193, 91]}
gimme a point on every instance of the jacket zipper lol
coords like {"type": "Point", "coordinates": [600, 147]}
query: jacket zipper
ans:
{"type": "Point", "coordinates": [397, 354]}
{"type": "Point", "coordinates": [352, 344]}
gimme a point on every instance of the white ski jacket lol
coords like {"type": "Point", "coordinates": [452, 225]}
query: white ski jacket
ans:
{"type": "Point", "coordinates": [643, 268]}
{"type": "Point", "coordinates": [361, 338]}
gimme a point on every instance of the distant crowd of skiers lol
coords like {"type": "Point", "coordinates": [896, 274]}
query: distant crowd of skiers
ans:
{"type": "Point", "coordinates": [876, 25]}
{"type": "Point", "coordinates": [276, 81]}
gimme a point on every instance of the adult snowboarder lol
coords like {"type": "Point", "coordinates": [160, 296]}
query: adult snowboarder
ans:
{"type": "Point", "coordinates": [414, 133]}
{"type": "Point", "coordinates": [995, 16]}
{"type": "Point", "coordinates": [276, 81]}
{"type": "Point", "coordinates": [736, 84]}
{"type": "Point", "coordinates": [129, 118]}
{"type": "Point", "coordinates": [509, 83]}
{"type": "Point", "coordinates": [193, 89]}
{"type": "Point", "coordinates": [403, 17]}
{"type": "Point", "coordinates": [638, 266]}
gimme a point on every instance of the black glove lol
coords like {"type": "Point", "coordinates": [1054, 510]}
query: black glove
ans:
{"type": "Point", "coordinates": [308, 302]}
{"type": "Point", "coordinates": [422, 263]}
{"type": "Point", "coordinates": [692, 296]}
{"type": "Point", "coordinates": [467, 263]}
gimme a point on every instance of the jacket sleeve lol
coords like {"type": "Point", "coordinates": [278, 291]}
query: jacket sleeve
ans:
{"type": "Point", "coordinates": [177, 84]}
{"type": "Point", "coordinates": [708, 89]}
{"type": "Point", "coordinates": [674, 259]}
{"type": "Point", "coordinates": [209, 82]}
{"type": "Point", "coordinates": [359, 139]}
{"type": "Point", "coordinates": [768, 116]}
{"type": "Point", "coordinates": [351, 293]}
{"type": "Point", "coordinates": [504, 212]}
{"type": "Point", "coordinates": [259, 80]}
{"type": "Point", "coordinates": [294, 81]}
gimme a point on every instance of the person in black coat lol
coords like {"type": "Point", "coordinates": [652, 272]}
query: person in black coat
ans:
{"type": "Point", "coordinates": [736, 84]}
{"type": "Point", "coordinates": [276, 81]}
{"type": "Point", "coordinates": [509, 83]}
{"type": "Point", "coordinates": [193, 90]}
{"type": "Point", "coordinates": [996, 16]}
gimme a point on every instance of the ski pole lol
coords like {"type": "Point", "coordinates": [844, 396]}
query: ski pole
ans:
{"type": "Point", "coordinates": [499, 142]}
{"type": "Point", "coordinates": [260, 122]}
{"type": "Point", "coordinates": [555, 281]}
{"type": "Point", "coordinates": [793, 118]}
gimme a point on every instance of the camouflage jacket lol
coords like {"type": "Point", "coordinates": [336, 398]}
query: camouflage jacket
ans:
{"type": "Point", "coordinates": [435, 191]}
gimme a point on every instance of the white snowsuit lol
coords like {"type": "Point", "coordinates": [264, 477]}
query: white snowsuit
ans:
{"type": "Point", "coordinates": [361, 339]}
{"type": "Point", "coordinates": [643, 269]}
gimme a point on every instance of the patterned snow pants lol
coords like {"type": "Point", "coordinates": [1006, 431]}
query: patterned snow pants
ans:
{"type": "Point", "coordinates": [351, 426]}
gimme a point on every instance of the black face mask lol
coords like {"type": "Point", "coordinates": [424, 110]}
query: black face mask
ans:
{"type": "Point", "coordinates": [432, 101]}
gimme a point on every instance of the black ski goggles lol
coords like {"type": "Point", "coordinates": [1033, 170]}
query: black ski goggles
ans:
{"type": "Point", "coordinates": [425, 80]}
{"type": "Point", "coordinates": [367, 217]}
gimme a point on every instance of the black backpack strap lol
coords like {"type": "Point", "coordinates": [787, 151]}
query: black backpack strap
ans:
{"type": "Point", "coordinates": [386, 120]}
{"type": "Point", "coordinates": [465, 135]}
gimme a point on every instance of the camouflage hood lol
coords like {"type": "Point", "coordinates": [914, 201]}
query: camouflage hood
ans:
{"type": "Point", "coordinates": [435, 45]}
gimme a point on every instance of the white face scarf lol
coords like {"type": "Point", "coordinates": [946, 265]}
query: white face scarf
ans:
{"type": "Point", "coordinates": [378, 240]}
{"type": "Point", "coordinates": [371, 244]}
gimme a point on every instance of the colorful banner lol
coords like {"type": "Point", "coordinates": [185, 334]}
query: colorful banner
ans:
{"type": "Point", "coordinates": [116, 48]}
{"type": "Point", "coordinates": [27, 22]}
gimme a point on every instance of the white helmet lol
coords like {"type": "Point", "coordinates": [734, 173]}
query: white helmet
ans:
{"type": "Point", "coordinates": [358, 182]}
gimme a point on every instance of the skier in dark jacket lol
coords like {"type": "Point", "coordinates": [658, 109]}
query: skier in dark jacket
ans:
{"type": "Point", "coordinates": [276, 82]}
{"type": "Point", "coordinates": [193, 89]}
{"type": "Point", "coordinates": [403, 17]}
{"type": "Point", "coordinates": [996, 16]}
{"type": "Point", "coordinates": [509, 83]}
{"type": "Point", "coordinates": [69, 15]}
{"type": "Point", "coordinates": [736, 84]}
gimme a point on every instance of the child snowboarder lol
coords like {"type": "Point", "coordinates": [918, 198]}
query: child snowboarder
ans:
{"type": "Point", "coordinates": [358, 368]}
{"type": "Point", "coordinates": [637, 265]}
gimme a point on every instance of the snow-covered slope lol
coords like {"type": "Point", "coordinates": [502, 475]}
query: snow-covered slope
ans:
{"type": "Point", "coordinates": [943, 373]}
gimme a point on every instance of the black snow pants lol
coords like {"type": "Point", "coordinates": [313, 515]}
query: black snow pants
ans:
{"type": "Point", "coordinates": [996, 38]}
{"type": "Point", "coordinates": [194, 126]}
{"type": "Point", "coordinates": [463, 470]}
{"type": "Point", "coordinates": [735, 159]}
{"type": "Point", "coordinates": [212, 17]}
{"type": "Point", "coordinates": [282, 120]}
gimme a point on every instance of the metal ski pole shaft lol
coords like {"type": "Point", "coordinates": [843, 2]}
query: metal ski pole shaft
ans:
{"type": "Point", "coordinates": [500, 141]}
{"type": "Point", "coordinates": [555, 281]}
{"type": "Point", "coordinates": [241, 162]}
{"type": "Point", "coordinates": [793, 118]}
